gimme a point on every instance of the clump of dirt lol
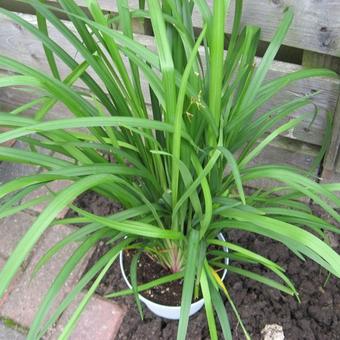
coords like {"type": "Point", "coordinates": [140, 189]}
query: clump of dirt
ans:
{"type": "Point", "coordinates": [316, 317]}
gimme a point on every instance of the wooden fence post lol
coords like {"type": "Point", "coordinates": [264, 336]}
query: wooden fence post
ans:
{"type": "Point", "coordinates": [313, 59]}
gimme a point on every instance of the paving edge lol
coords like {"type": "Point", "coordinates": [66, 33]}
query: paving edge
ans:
{"type": "Point", "coordinates": [100, 320]}
{"type": "Point", "coordinates": [13, 325]}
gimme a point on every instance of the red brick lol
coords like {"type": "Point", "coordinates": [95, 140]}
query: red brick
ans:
{"type": "Point", "coordinates": [11, 286]}
{"type": "Point", "coordinates": [10, 170]}
{"type": "Point", "coordinates": [12, 229]}
{"type": "Point", "coordinates": [7, 333]}
{"type": "Point", "coordinates": [45, 190]}
{"type": "Point", "coordinates": [2, 263]}
{"type": "Point", "coordinates": [25, 298]}
{"type": "Point", "coordinates": [100, 320]}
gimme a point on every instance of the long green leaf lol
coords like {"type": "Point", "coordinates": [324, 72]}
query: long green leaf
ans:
{"type": "Point", "coordinates": [189, 282]}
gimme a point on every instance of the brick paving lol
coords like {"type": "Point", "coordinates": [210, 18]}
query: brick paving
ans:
{"type": "Point", "coordinates": [101, 319]}
{"type": "Point", "coordinates": [2, 263]}
{"type": "Point", "coordinates": [7, 333]}
{"type": "Point", "coordinates": [12, 229]}
{"type": "Point", "coordinates": [53, 187]}
{"type": "Point", "coordinates": [9, 171]}
{"type": "Point", "coordinates": [11, 286]}
{"type": "Point", "coordinates": [25, 298]}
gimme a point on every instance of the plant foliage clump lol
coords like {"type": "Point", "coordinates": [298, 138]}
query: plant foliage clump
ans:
{"type": "Point", "coordinates": [166, 125]}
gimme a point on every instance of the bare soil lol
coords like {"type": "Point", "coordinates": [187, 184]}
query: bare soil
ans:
{"type": "Point", "coordinates": [168, 294]}
{"type": "Point", "coordinates": [317, 317]}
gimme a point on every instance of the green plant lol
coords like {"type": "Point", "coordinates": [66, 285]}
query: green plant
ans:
{"type": "Point", "coordinates": [179, 165]}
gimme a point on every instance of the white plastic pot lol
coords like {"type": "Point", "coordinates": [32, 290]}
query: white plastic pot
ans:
{"type": "Point", "coordinates": [170, 312]}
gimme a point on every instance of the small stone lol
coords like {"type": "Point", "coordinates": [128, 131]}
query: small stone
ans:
{"type": "Point", "coordinates": [325, 298]}
{"type": "Point", "coordinates": [272, 332]}
{"type": "Point", "coordinates": [238, 285]}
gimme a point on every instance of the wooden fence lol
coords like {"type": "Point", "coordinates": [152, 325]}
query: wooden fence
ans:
{"type": "Point", "coordinates": [314, 35]}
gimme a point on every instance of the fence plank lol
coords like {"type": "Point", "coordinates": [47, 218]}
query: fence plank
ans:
{"type": "Point", "coordinates": [11, 98]}
{"type": "Point", "coordinates": [316, 26]}
{"type": "Point", "coordinates": [286, 152]}
{"type": "Point", "coordinates": [17, 43]}
{"type": "Point", "coordinates": [314, 59]}
{"type": "Point", "coordinates": [329, 166]}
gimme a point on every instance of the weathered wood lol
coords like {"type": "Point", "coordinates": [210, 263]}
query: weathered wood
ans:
{"type": "Point", "coordinates": [314, 59]}
{"type": "Point", "coordinates": [316, 26]}
{"type": "Point", "coordinates": [284, 151]}
{"type": "Point", "coordinates": [19, 44]}
{"type": "Point", "coordinates": [11, 98]}
{"type": "Point", "coordinates": [330, 163]}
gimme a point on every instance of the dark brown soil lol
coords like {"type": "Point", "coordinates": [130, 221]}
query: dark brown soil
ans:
{"type": "Point", "coordinates": [149, 269]}
{"type": "Point", "coordinates": [317, 317]}
{"type": "Point", "coordinates": [95, 204]}
{"type": "Point", "coordinates": [168, 294]}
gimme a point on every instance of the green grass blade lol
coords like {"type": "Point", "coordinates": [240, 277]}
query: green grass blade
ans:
{"type": "Point", "coordinates": [189, 282]}
{"type": "Point", "coordinates": [221, 313]}
{"type": "Point", "coordinates": [267, 59]}
{"type": "Point", "coordinates": [133, 227]}
{"type": "Point", "coordinates": [216, 60]}
{"type": "Point", "coordinates": [176, 141]}
{"type": "Point", "coordinates": [208, 305]}
{"type": "Point", "coordinates": [296, 234]}
{"type": "Point", "coordinates": [235, 171]}
{"type": "Point", "coordinates": [165, 58]}
{"type": "Point", "coordinates": [134, 283]}
{"type": "Point", "coordinates": [42, 25]}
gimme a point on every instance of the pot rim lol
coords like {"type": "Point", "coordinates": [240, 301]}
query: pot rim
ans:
{"type": "Point", "coordinates": [144, 299]}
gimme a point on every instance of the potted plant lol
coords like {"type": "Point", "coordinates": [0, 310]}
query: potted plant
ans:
{"type": "Point", "coordinates": [177, 166]}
